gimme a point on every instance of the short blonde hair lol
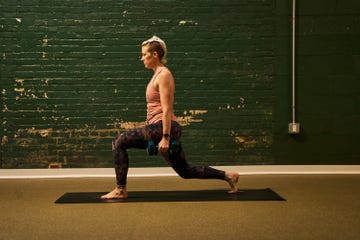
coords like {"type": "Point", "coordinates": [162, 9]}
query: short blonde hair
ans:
{"type": "Point", "coordinates": [156, 44]}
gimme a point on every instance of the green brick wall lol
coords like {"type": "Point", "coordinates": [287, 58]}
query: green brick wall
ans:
{"type": "Point", "coordinates": [71, 80]}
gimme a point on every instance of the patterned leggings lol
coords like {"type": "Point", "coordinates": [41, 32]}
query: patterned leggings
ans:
{"type": "Point", "coordinates": [138, 137]}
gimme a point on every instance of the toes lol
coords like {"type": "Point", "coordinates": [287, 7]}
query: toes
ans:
{"type": "Point", "coordinates": [233, 191]}
{"type": "Point", "coordinates": [105, 196]}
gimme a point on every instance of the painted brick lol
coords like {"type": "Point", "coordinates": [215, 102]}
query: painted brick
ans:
{"type": "Point", "coordinates": [71, 79]}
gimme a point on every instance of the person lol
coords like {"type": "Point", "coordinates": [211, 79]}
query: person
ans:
{"type": "Point", "coordinates": [161, 127]}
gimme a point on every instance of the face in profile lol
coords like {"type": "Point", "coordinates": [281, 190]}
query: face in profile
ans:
{"type": "Point", "coordinates": [148, 58]}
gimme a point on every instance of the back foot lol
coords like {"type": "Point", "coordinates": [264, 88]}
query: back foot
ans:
{"type": "Point", "coordinates": [232, 178]}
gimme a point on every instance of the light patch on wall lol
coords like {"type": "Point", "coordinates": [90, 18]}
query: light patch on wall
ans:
{"type": "Point", "coordinates": [55, 165]}
{"type": "Point", "coordinates": [34, 93]}
{"type": "Point", "coordinates": [245, 142]}
{"type": "Point", "coordinates": [239, 139]}
{"type": "Point", "coordinates": [195, 112]}
{"type": "Point", "coordinates": [159, 21]}
{"type": "Point", "coordinates": [20, 81]}
{"type": "Point", "coordinates": [239, 105]}
{"type": "Point", "coordinates": [249, 142]}
{"type": "Point", "coordinates": [19, 89]}
{"type": "Point", "coordinates": [4, 106]}
{"type": "Point", "coordinates": [28, 137]}
{"type": "Point", "coordinates": [187, 22]}
{"type": "Point", "coordinates": [23, 142]}
{"type": "Point", "coordinates": [44, 132]}
{"type": "Point", "coordinates": [120, 124]}
{"type": "Point", "coordinates": [4, 140]}
{"type": "Point", "coordinates": [34, 131]}
{"type": "Point", "coordinates": [190, 116]}
{"type": "Point", "coordinates": [131, 125]}
{"type": "Point", "coordinates": [45, 41]}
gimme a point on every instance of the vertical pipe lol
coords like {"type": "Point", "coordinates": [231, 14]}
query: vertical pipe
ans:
{"type": "Point", "coordinates": [293, 62]}
{"type": "Point", "coordinates": [294, 128]}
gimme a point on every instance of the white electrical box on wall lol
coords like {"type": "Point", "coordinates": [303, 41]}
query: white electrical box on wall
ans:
{"type": "Point", "coordinates": [294, 128]}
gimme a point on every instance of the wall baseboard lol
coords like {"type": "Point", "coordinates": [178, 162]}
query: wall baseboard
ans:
{"type": "Point", "coordinates": [167, 171]}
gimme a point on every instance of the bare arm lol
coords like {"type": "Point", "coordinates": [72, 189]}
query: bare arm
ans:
{"type": "Point", "coordinates": [165, 84]}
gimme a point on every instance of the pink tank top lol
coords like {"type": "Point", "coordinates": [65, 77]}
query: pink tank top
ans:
{"type": "Point", "coordinates": [154, 109]}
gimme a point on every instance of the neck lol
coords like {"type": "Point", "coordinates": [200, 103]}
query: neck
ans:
{"type": "Point", "coordinates": [158, 67]}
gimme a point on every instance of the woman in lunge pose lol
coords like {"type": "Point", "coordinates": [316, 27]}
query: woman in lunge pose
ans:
{"type": "Point", "coordinates": [161, 127]}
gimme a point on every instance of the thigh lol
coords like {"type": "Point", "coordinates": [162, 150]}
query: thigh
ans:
{"type": "Point", "coordinates": [133, 138]}
{"type": "Point", "coordinates": [154, 131]}
{"type": "Point", "coordinates": [138, 137]}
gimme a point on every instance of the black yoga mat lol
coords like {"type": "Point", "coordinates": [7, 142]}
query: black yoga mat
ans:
{"type": "Point", "coordinates": [174, 196]}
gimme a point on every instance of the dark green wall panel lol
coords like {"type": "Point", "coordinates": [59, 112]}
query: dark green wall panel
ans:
{"type": "Point", "coordinates": [327, 83]}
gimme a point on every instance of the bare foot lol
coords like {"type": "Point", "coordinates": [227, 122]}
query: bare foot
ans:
{"type": "Point", "coordinates": [232, 178]}
{"type": "Point", "coordinates": [117, 193]}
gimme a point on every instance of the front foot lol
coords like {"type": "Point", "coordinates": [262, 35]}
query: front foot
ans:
{"type": "Point", "coordinates": [117, 193]}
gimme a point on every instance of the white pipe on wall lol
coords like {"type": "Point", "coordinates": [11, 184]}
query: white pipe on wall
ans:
{"type": "Point", "coordinates": [293, 61]}
{"type": "Point", "coordinates": [294, 128]}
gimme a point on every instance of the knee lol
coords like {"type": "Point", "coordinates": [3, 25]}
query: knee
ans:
{"type": "Point", "coordinates": [118, 142]}
{"type": "Point", "coordinates": [184, 173]}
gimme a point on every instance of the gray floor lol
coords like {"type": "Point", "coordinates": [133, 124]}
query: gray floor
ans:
{"type": "Point", "coordinates": [317, 207]}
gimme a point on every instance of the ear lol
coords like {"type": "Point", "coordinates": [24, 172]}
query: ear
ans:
{"type": "Point", "coordinates": [155, 54]}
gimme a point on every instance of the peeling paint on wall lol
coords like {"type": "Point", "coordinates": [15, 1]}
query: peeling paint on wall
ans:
{"type": "Point", "coordinates": [247, 142]}
{"type": "Point", "coordinates": [190, 116]}
{"type": "Point", "coordinates": [20, 81]}
{"type": "Point", "coordinates": [228, 106]}
{"type": "Point", "coordinates": [45, 41]}
{"type": "Point", "coordinates": [4, 98]}
{"type": "Point", "coordinates": [75, 143]}
{"type": "Point", "coordinates": [159, 21]}
{"type": "Point", "coordinates": [33, 131]}
{"type": "Point", "coordinates": [5, 108]}
{"type": "Point", "coordinates": [131, 125]}
{"type": "Point", "coordinates": [33, 91]}
{"type": "Point", "coordinates": [25, 137]}
{"type": "Point", "coordinates": [4, 140]}
{"type": "Point", "coordinates": [190, 22]}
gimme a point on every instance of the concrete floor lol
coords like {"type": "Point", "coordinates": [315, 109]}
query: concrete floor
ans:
{"type": "Point", "coordinates": [317, 207]}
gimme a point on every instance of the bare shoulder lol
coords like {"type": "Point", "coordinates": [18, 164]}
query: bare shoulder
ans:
{"type": "Point", "coordinates": [165, 77]}
{"type": "Point", "coordinates": [166, 74]}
